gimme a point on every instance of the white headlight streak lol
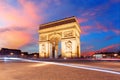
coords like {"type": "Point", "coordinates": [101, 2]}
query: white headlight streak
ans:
{"type": "Point", "coordinates": [68, 65]}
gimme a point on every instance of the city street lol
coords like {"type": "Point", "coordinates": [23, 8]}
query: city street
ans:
{"type": "Point", "coordinates": [23, 70]}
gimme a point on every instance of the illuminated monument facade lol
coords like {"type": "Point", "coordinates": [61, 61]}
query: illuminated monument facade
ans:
{"type": "Point", "coordinates": [60, 39]}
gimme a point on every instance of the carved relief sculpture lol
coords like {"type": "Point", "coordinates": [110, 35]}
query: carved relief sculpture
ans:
{"type": "Point", "coordinates": [68, 45]}
{"type": "Point", "coordinates": [68, 33]}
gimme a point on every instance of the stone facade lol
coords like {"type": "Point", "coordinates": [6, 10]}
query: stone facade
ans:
{"type": "Point", "coordinates": [60, 38]}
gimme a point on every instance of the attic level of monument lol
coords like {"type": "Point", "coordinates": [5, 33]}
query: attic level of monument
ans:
{"type": "Point", "coordinates": [60, 39]}
{"type": "Point", "coordinates": [58, 22]}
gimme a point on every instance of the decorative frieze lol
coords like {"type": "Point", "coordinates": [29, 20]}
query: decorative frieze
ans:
{"type": "Point", "coordinates": [68, 33]}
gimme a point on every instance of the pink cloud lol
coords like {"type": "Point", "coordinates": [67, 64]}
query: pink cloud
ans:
{"type": "Point", "coordinates": [90, 47]}
{"type": "Point", "coordinates": [114, 47]}
{"type": "Point", "coordinates": [88, 50]}
{"type": "Point", "coordinates": [14, 39]}
{"type": "Point", "coordinates": [110, 48]}
{"type": "Point", "coordinates": [80, 20]}
{"type": "Point", "coordinates": [101, 27]}
{"type": "Point", "coordinates": [18, 24]}
{"type": "Point", "coordinates": [89, 13]}
{"type": "Point", "coordinates": [105, 29]}
{"type": "Point", "coordinates": [85, 13]}
{"type": "Point", "coordinates": [116, 31]}
{"type": "Point", "coordinates": [26, 16]}
{"type": "Point", "coordinates": [86, 29]}
{"type": "Point", "coordinates": [88, 53]}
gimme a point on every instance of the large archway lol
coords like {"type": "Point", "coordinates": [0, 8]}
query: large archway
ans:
{"type": "Point", "coordinates": [54, 41]}
{"type": "Point", "coordinates": [60, 39]}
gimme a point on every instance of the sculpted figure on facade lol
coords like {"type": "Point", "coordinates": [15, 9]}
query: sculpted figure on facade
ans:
{"type": "Point", "coordinates": [68, 45]}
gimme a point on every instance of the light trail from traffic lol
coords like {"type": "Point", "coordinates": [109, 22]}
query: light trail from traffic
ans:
{"type": "Point", "coordinates": [65, 64]}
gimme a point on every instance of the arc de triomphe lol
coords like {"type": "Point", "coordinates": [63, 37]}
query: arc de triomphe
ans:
{"type": "Point", "coordinates": [60, 38]}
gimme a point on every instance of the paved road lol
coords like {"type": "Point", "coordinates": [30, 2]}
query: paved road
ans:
{"type": "Point", "coordinates": [45, 71]}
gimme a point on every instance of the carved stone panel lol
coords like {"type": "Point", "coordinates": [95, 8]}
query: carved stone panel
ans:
{"type": "Point", "coordinates": [68, 46]}
{"type": "Point", "coordinates": [43, 38]}
{"type": "Point", "coordinates": [68, 33]}
{"type": "Point", "coordinates": [54, 34]}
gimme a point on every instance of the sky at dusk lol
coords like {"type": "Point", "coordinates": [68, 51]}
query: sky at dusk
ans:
{"type": "Point", "coordinates": [99, 21]}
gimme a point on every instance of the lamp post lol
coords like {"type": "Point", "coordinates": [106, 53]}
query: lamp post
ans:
{"type": "Point", "coordinates": [11, 54]}
{"type": "Point", "coordinates": [115, 54]}
{"type": "Point", "coordinates": [22, 55]}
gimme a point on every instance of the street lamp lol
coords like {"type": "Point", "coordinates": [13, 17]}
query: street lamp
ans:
{"type": "Point", "coordinates": [115, 55]}
{"type": "Point", "coordinates": [35, 55]}
{"type": "Point", "coordinates": [11, 54]}
{"type": "Point", "coordinates": [22, 54]}
{"type": "Point", "coordinates": [104, 55]}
